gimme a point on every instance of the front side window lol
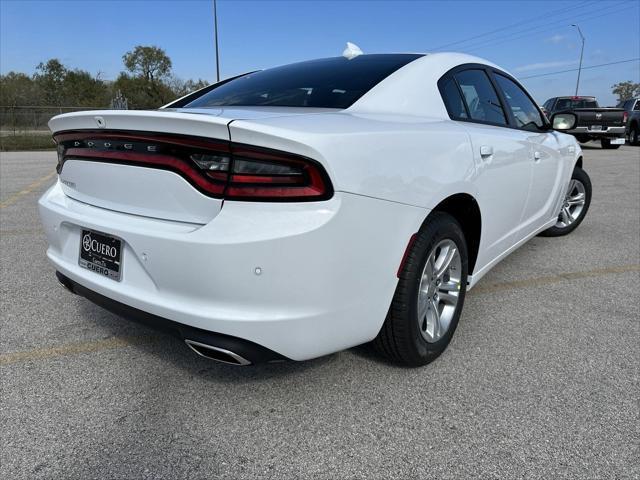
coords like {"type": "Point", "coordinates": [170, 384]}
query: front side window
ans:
{"type": "Point", "coordinates": [480, 97]}
{"type": "Point", "coordinates": [523, 109]}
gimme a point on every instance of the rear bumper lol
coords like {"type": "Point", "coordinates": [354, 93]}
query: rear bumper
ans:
{"type": "Point", "coordinates": [250, 351]}
{"type": "Point", "coordinates": [611, 132]}
{"type": "Point", "coordinates": [327, 269]}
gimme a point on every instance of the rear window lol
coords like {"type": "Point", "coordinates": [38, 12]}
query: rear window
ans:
{"type": "Point", "coordinates": [326, 83]}
{"type": "Point", "coordinates": [570, 103]}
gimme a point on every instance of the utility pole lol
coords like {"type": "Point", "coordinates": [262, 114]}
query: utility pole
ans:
{"type": "Point", "coordinates": [215, 28]}
{"type": "Point", "coordinates": [581, 53]}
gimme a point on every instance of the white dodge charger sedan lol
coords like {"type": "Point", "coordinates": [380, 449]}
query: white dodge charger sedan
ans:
{"type": "Point", "coordinates": [293, 212]}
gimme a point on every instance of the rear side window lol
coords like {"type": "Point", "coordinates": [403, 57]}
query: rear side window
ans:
{"type": "Point", "coordinates": [326, 83]}
{"type": "Point", "coordinates": [523, 109]}
{"type": "Point", "coordinates": [453, 100]}
{"type": "Point", "coordinates": [480, 97]}
{"type": "Point", "coordinates": [637, 107]}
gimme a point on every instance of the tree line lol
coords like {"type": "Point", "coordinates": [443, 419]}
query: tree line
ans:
{"type": "Point", "coordinates": [626, 90]}
{"type": "Point", "coordinates": [146, 83]}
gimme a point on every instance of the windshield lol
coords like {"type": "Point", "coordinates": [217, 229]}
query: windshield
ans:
{"type": "Point", "coordinates": [570, 103]}
{"type": "Point", "coordinates": [326, 83]}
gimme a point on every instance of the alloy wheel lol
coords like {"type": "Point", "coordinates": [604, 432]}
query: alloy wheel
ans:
{"type": "Point", "coordinates": [439, 290]}
{"type": "Point", "coordinates": [573, 204]}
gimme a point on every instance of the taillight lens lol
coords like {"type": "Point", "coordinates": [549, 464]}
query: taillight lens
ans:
{"type": "Point", "coordinates": [217, 169]}
{"type": "Point", "coordinates": [259, 174]}
{"type": "Point", "coordinates": [625, 117]}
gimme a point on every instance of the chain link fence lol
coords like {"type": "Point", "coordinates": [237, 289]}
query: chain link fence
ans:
{"type": "Point", "coordinates": [24, 120]}
{"type": "Point", "coordinates": [25, 127]}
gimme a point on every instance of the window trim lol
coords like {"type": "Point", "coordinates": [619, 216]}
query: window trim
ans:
{"type": "Point", "coordinates": [545, 124]}
{"type": "Point", "coordinates": [450, 75]}
{"type": "Point", "coordinates": [460, 92]}
{"type": "Point", "coordinates": [490, 71]}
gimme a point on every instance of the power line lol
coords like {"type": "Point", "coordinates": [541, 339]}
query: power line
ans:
{"type": "Point", "coordinates": [582, 17]}
{"type": "Point", "coordinates": [508, 27]}
{"type": "Point", "coordinates": [583, 68]}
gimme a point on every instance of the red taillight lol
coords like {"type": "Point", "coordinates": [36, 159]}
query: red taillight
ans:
{"type": "Point", "coordinates": [211, 185]}
{"type": "Point", "coordinates": [218, 169]}
{"type": "Point", "coordinates": [259, 174]}
{"type": "Point", "coordinates": [625, 117]}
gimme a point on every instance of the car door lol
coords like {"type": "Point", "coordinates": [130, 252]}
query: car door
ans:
{"type": "Point", "coordinates": [501, 156]}
{"type": "Point", "coordinates": [545, 158]}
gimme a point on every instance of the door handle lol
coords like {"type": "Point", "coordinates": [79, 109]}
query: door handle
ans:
{"type": "Point", "coordinates": [486, 151]}
{"type": "Point", "coordinates": [537, 156]}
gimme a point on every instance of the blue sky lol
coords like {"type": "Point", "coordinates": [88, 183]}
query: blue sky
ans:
{"type": "Point", "coordinates": [93, 35]}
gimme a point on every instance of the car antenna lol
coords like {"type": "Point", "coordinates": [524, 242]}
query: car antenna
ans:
{"type": "Point", "coordinates": [352, 51]}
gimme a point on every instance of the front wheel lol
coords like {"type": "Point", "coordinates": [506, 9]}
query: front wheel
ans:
{"type": "Point", "coordinates": [575, 206]}
{"type": "Point", "coordinates": [606, 143]}
{"type": "Point", "coordinates": [429, 296]}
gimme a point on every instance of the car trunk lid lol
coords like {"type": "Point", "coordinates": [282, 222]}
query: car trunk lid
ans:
{"type": "Point", "coordinates": [106, 155]}
{"type": "Point", "coordinates": [95, 170]}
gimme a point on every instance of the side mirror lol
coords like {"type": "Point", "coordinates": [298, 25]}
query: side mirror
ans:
{"type": "Point", "coordinates": [564, 121]}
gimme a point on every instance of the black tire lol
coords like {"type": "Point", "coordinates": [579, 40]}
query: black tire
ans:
{"type": "Point", "coordinates": [400, 339]}
{"type": "Point", "coordinates": [557, 231]}
{"type": "Point", "coordinates": [633, 135]}
{"type": "Point", "coordinates": [606, 143]}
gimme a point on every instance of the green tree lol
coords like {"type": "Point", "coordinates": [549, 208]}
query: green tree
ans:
{"type": "Point", "coordinates": [82, 90]}
{"type": "Point", "coordinates": [181, 87]}
{"type": "Point", "coordinates": [17, 89]}
{"type": "Point", "coordinates": [49, 78]}
{"type": "Point", "coordinates": [626, 90]}
{"type": "Point", "coordinates": [146, 82]}
{"type": "Point", "coordinates": [142, 94]}
{"type": "Point", "coordinates": [150, 63]}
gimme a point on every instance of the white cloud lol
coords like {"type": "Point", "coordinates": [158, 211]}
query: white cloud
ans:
{"type": "Point", "coordinates": [544, 65]}
{"type": "Point", "coordinates": [599, 55]}
{"type": "Point", "coordinates": [556, 39]}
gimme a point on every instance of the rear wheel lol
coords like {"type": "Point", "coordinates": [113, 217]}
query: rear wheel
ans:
{"type": "Point", "coordinates": [430, 294]}
{"type": "Point", "coordinates": [606, 143]}
{"type": "Point", "coordinates": [633, 135]}
{"type": "Point", "coordinates": [575, 206]}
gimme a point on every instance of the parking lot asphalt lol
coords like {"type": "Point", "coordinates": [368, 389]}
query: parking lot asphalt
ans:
{"type": "Point", "coordinates": [540, 380]}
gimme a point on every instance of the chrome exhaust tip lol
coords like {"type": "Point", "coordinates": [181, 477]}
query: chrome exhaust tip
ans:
{"type": "Point", "coordinates": [216, 353]}
{"type": "Point", "coordinates": [64, 284]}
